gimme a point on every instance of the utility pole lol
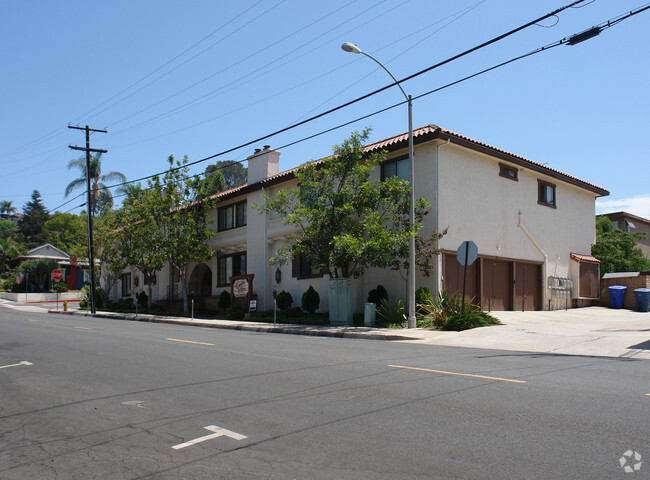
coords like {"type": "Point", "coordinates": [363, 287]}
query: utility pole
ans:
{"type": "Point", "coordinates": [89, 204]}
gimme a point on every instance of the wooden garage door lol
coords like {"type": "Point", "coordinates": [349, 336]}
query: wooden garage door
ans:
{"type": "Point", "coordinates": [497, 284]}
{"type": "Point", "coordinates": [528, 277]}
{"type": "Point", "coordinates": [453, 278]}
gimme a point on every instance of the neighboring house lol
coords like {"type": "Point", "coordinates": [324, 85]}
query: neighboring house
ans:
{"type": "Point", "coordinates": [14, 217]}
{"type": "Point", "coordinates": [533, 225]}
{"type": "Point", "coordinates": [76, 274]}
{"type": "Point", "coordinates": [632, 224]}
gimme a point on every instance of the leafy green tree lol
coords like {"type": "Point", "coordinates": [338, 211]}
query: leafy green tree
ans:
{"type": "Point", "coordinates": [68, 232]}
{"type": "Point", "coordinates": [101, 197]}
{"type": "Point", "coordinates": [6, 207]}
{"type": "Point", "coordinates": [8, 229]}
{"type": "Point", "coordinates": [345, 222]}
{"type": "Point", "coordinates": [31, 223]}
{"type": "Point", "coordinates": [9, 250]}
{"type": "Point", "coordinates": [616, 249]}
{"type": "Point", "coordinates": [234, 173]}
{"type": "Point", "coordinates": [110, 264]}
{"type": "Point", "coordinates": [214, 181]}
{"type": "Point", "coordinates": [166, 223]}
{"type": "Point", "coordinates": [39, 271]}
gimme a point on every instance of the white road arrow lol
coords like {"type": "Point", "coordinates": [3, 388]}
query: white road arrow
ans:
{"type": "Point", "coordinates": [218, 432]}
{"type": "Point", "coordinates": [17, 364]}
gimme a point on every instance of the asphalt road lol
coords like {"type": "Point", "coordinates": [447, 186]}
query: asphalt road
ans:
{"type": "Point", "coordinates": [111, 399]}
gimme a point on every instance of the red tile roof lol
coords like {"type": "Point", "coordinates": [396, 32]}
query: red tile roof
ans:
{"type": "Point", "coordinates": [427, 133]}
{"type": "Point", "coordinates": [584, 258]}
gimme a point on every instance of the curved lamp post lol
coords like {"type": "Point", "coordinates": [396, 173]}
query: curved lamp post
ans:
{"type": "Point", "coordinates": [352, 48]}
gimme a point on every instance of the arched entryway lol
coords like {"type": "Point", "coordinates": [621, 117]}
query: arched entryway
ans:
{"type": "Point", "coordinates": [200, 284]}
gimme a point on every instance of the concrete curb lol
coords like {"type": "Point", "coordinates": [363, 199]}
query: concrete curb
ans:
{"type": "Point", "coordinates": [309, 330]}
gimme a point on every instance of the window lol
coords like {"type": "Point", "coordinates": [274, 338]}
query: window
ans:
{"type": "Point", "coordinates": [230, 266]}
{"type": "Point", "coordinates": [302, 268]}
{"type": "Point", "coordinates": [126, 284]}
{"type": "Point", "coordinates": [546, 194]}
{"type": "Point", "coordinates": [232, 216]}
{"type": "Point", "coordinates": [508, 172]}
{"type": "Point", "coordinates": [400, 168]}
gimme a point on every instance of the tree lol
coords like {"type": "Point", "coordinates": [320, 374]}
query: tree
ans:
{"type": "Point", "coordinates": [9, 250]}
{"type": "Point", "coordinates": [39, 271]}
{"type": "Point", "coordinates": [214, 180]}
{"type": "Point", "coordinates": [6, 207]}
{"type": "Point", "coordinates": [344, 222]}
{"type": "Point", "coordinates": [31, 223]}
{"type": "Point", "coordinates": [165, 223]}
{"type": "Point", "coordinates": [101, 197]}
{"type": "Point", "coordinates": [234, 173]}
{"type": "Point", "coordinates": [8, 229]}
{"type": "Point", "coordinates": [426, 249]}
{"type": "Point", "coordinates": [616, 249]}
{"type": "Point", "coordinates": [68, 232]}
{"type": "Point", "coordinates": [110, 264]}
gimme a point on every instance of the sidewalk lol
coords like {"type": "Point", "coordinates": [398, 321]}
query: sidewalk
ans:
{"type": "Point", "coordinates": [592, 331]}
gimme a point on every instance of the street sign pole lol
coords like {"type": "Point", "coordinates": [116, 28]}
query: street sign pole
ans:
{"type": "Point", "coordinates": [462, 307]}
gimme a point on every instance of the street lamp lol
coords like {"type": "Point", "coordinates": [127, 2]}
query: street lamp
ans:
{"type": "Point", "coordinates": [352, 48]}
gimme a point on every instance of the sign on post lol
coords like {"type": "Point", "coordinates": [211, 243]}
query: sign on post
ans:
{"type": "Point", "coordinates": [466, 254]}
{"type": "Point", "coordinates": [57, 275]}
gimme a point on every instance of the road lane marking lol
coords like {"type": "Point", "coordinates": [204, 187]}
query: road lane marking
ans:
{"type": "Point", "coordinates": [218, 432]}
{"type": "Point", "coordinates": [17, 364]}
{"type": "Point", "coordinates": [190, 341]}
{"type": "Point", "coordinates": [83, 328]}
{"type": "Point", "coordinates": [459, 374]}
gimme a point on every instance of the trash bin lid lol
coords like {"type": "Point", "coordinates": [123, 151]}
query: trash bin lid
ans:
{"type": "Point", "coordinates": [618, 287]}
{"type": "Point", "coordinates": [642, 290]}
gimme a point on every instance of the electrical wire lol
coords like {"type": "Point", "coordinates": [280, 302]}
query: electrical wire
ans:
{"type": "Point", "coordinates": [608, 24]}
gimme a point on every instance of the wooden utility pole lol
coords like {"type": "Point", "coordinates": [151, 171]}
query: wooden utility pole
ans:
{"type": "Point", "coordinates": [89, 204]}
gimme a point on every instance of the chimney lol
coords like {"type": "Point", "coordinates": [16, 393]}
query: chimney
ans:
{"type": "Point", "coordinates": [263, 164]}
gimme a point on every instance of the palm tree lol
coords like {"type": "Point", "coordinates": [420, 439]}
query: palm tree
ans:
{"type": "Point", "coordinates": [6, 207]}
{"type": "Point", "coordinates": [98, 188]}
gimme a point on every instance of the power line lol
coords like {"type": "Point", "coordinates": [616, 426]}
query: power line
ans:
{"type": "Point", "coordinates": [368, 95]}
{"type": "Point", "coordinates": [564, 41]}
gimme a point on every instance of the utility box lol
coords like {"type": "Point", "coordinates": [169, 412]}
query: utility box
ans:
{"type": "Point", "coordinates": [369, 315]}
{"type": "Point", "coordinates": [340, 301]}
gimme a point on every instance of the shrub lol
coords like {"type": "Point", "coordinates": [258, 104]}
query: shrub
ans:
{"type": "Point", "coordinates": [464, 321]}
{"type": "Point", "coordinates": [235, 312]}
{"type": "Point", "coordinates": [60, 287]}
{"type": "Point", "coordinates": [143, 299]}
{"type": "Point", "coordinates": [378, 294]}
{"type": "Point", "coordinates": [392, 312]}
{"type": "Point", "coordinates": [224, 300]}
{"type": "Point", "coordinates": [284, 300]}
{"type": "Point", "coordinates": [443, 306]}
{"type": "Point", "coordinates": [310, 300]}
{"type": "Point", "coordinates": [295, 312]}
{"type": "Point", "coordinates": [422, 297]}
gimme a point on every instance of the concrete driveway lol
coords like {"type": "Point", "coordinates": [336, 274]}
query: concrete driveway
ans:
{"type": "Point", "coordinates": [595, 331]}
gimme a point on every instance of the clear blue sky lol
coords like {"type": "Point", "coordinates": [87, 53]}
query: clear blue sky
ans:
{"type": "Point", "coordinates": [199, 77]}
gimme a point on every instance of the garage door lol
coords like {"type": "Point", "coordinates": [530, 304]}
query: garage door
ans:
{"type": "Point", "coordinates": [497, 284]}
{"type": "Point", "coordinates": [453, 278]}
{"type": "Point", "coordinates": [528, 294]}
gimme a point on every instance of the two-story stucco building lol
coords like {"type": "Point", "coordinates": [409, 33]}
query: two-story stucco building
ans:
{"type": "Point", "coordinates": [533, 225]}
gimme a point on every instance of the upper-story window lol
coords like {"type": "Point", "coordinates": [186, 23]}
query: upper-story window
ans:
{"type": "Point", "coordinates": [507, 171]}
{"type": "Point", "coordinates": [400, 168]}
{"type": "Point", "coordinates": [546, 195]}
{"type": "Point", "coordinates": [231, 216]}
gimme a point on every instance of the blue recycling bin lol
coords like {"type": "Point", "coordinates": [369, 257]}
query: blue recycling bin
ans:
{"type": "Point", "coordinates": [616, 294]}
{"type": "Point", "coordinates": [642, 297]}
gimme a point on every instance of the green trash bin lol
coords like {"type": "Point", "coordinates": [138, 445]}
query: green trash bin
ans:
{"type": "Point", "coordinates": [642, 297]}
